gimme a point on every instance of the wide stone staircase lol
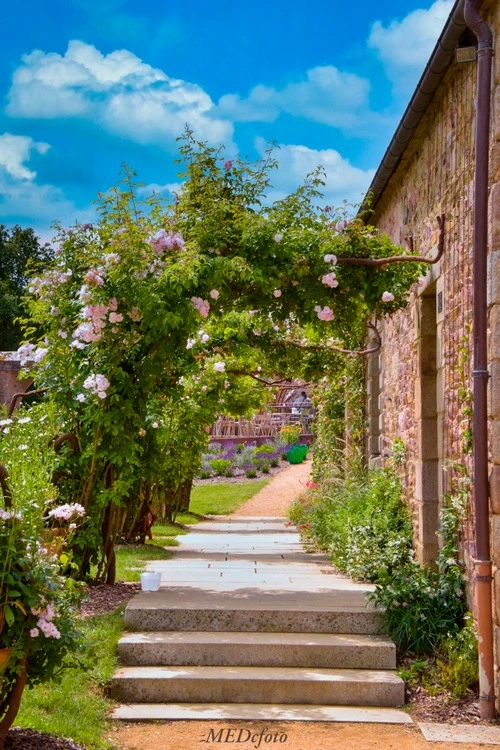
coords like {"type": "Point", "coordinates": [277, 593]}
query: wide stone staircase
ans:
{"type": "Point", "coordinates": [248, 625]}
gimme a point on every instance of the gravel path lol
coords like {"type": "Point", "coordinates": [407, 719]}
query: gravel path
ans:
{"type": "Point", "coordinates": [276, 497]}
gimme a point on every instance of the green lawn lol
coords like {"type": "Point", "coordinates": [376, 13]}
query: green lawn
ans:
{"type": "Point", "coordinates": [219, 499]}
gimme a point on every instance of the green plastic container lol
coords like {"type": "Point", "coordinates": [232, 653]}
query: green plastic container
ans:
{"type": "Point", "coordinates": [304, 449]}
{"type": "Point", "coordinates": [295, 454]}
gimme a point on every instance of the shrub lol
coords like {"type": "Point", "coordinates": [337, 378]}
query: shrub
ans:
{"type": "Point", "coordinates": [214, 448]}
{"type": "Point", "coordinates": [220, 465]}
{"type": "Point", "coordinates": [291, 433]}
{"type": "Point", "coordinates": [274, 462]}
{"type": "Point", "coordinates": [421, 607]}
{"type": "Point", "coordinates": [251, 473]}
{"type": "Point", "coordinates": [264, 466]}
{"type": "Point", "coordinates": [458, 667]}
{"type": "Point", "coordinates": [243, 457]}
{"type": "Point", "coordinates": [361, 522]}
{"type": "Point", "coordinates": [266, 448]}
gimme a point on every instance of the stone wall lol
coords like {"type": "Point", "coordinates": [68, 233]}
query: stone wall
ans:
{"type": "Point", "coordinates": [423, 345]}
{"type": "Point", "coordinates": [9, 379]}
{"type": "Point", "coordinates": [426, 361]}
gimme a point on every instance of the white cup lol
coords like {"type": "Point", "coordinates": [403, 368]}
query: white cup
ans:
{"type": "Point", "coordinates": [150, 581]}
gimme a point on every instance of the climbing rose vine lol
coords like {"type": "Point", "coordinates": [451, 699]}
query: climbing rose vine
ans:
{"type": "Point", "coordinates": [161, 310]}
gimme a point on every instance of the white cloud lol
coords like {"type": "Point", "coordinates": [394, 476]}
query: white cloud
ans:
{"type": "Point", "coordinates": [327, 95]}
{"type": "Point", "coordinates": [154, 187]}
{"type": "Point", "coordinates": [14, 151]}
{"type": "Point", "coordinates": [405, 46]}
{"type": "Point", "coordinates": [21, 196]}
{"type": "Point", "coordinates": [117, 91]}
{"type": "Point", "coordinates": [343, 181]}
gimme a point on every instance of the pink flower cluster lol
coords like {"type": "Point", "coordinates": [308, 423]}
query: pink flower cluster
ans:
{"type": "Point", "coordinates": [277, 293]}
{"type": "Point", "coordinates": [97, 384]}
{"type": "Point", "coordinates": [65, 512]}
{"type": "Point", "coordinates": [330, 279]}
{"type": "Point", "coordinates": [94, 277]}
{"type": "Point", "coordinates": [201, 305]}
{"type": "Point", "coordinates": [162, 241]}
{"type": "Point", "coordinates": [324, 313]}
{"type": "Point", "coordinates": [330, 258]}
{"type": "Point", "coordinates": [95, 317]}
{"type": "Point", "coordinates": [41, 284]}
{"type": "Point", "coordinates": [219, 366]}
{"type": "Point", "coordinates": [45, 624]}
{"type": "Point", "coordinates": [27, 352]}
{"type": "Point", "coordinates": [387, 297]}
{"type": "Point", "coordinates": [215, 294]}
{"type": "Point", "coordinates": [135, 314]}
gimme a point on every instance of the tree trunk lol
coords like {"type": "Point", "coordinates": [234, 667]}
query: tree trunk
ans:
{"type": "Point", "coordinates": [13, 701]}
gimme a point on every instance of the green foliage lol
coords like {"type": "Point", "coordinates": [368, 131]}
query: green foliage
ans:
{"type": "Point", "coordinates": [458, 663]}
{"type": "Point", "coordinates": [361, 522]}
{"type": "Point", "coordinates": [20, 253]}
{"type": "Point", "coordinates": [453, 669]}
{"type": "Point", "coordinates": [220, 465]}
{"type": "Point", "coordinates": [266, 448]}
{"type": "Point", "coordinates": [251, 473]}
{"type": "Point", "coordinates": [290, 433]}
{"type": "Point", "coordinates": [424, 606]}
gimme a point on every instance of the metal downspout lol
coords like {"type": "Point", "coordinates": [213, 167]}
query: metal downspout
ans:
{"type": "Point", "coordinates": [482, 563]}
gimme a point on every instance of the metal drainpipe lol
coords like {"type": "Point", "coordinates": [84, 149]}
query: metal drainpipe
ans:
{"type": "Point", "coordinates": [482, 563]}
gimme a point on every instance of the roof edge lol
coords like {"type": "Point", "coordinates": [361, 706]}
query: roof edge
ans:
{"type": "Point", "coordinates": [439, 62]}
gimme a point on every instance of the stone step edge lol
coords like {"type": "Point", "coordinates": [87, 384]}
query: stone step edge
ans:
{"type": "Point", "coordinates": [258, 712]}
{"type": "Point", "coordinates": [241, 636]}
{"type": "Point", "coordinates": [292, 674]}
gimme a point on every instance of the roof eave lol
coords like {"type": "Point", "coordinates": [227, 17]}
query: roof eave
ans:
{"type": "Point", "coordinates": [438, 64]}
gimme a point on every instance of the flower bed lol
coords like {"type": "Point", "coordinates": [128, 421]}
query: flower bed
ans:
{"type": "Point", "coordinates": [241, 461]}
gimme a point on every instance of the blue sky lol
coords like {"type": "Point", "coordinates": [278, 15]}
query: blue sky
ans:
{"type": "Point", "coordinates": [89, 84]}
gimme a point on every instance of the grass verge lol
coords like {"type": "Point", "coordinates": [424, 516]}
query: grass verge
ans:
{"type": "Point", "coordinates": [73, 705]}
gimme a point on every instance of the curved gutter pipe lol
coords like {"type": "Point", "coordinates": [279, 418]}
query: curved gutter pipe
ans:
{"type": "Point", "coordinates": [482, 563]}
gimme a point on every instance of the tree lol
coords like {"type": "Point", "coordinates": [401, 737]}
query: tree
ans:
{"type": "Point", "coordinates": [20, 253]}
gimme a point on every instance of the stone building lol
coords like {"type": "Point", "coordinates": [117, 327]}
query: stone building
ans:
{"type": "Point", "coordinates": [419, 385]}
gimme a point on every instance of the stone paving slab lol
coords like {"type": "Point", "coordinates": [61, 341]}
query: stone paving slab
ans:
{"type": "Point", "coordinates": [256, 711]}
{"type": "Point", "coordinates": [465, 733]}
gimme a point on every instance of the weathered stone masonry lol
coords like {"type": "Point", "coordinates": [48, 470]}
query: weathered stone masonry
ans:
{"type": "Point", "coordinates": [414, 383]}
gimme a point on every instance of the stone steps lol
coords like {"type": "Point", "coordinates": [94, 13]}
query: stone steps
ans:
{"type": "Point", "coordinates": [247, 625]}
{"type": "Point", "coordinates": [273, 685]}
{"type": "Point", "coordinates": [156, 613]}
{"type": "Point", "coordinates": [212, 648]}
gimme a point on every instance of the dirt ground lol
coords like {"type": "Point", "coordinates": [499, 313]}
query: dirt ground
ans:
{"type": "Point", "coordinates": [193, 735]}
{"type": "Point", "coordinates": [274, 500]}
